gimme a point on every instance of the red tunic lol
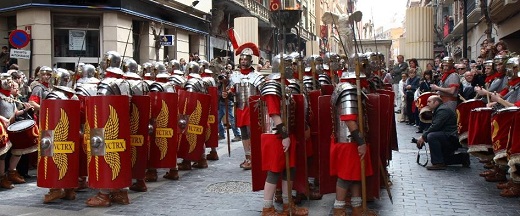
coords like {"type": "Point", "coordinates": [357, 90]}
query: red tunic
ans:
{"type": "Point", "coordinates": [273, 156]}
{"type": "Point", "coordinates": [345, 162]}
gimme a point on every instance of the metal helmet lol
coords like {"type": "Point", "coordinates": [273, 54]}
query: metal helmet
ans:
{"type": "Point", "coordinates": [276, 61]}
{"type": "Point", "coordinates": [174, 65]}
{"type": "Point", "coordinates": [130, 65]}
{"type": "Point", "coordinates": [111, 59]}
{"type": "Point", "coordinates": [160, 68]}
{"type": "Point", "coordinates": [488, 63]}
{"type": "Point", "coordinates": [60, 77]}
{"type": "Point", "coordinates": [193, 67]}
{"type": "Point", "coordinates": [6, 81]}
{"type": "Point", "coordinates": [500, 59]}
{"type": "Point", "coordinates": [45, 70]}
{"type": "Point", "coordinates": [88, 71]}
{"type": "Point", "coordinates": [512, 67]}
{"type": "Point", "coordinates": [147, 69]}
{"type": "Point", "coordinates": [204, 63]}
{"type": "Point", "coordinates": [448, 61]}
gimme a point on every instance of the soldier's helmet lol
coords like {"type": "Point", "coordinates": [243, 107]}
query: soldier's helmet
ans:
{"type": "Point", "coordinates": [276, 61]}
{"type": "Point", "coordinates": [174, 65]}
{"type": "Point", "coordinates": [204, 63]}
{"type": "Point", "coordinates": [111, 59]}
{"type": "Point", "coordinates": [6, 81]}
{"type": "Point", "coordinates": [448, 61]}
{"type": "Point", "coordinates": [130, 65]}
{"type": "Point", "coordinates": [246, 52]}
{"type": "Point", "coordinates": [60, 77]}
{"type": "Point", "coordinates": [193, 68]}
{"type": "Point", "coordinates": [500, 59]}
{"type": "Point", "coordinates": [512, 65]}
{"type": "Point", "coordinates": [44, 70]}
{"type": "Point", "coordinates": [88, 71]}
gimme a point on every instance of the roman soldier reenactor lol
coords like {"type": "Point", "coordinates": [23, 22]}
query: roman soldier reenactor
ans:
{"type": "Point", "coordinates": [109, 128]}
{"type": "Point", "coordinates": [57, 167]}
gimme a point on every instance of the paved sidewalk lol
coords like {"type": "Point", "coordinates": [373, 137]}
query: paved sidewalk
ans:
{"type": "Point", "coordinates": [225, 189]}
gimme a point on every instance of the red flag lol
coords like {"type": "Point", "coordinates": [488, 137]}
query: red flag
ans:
{"type": "Point", "coordinates": [274, 5]}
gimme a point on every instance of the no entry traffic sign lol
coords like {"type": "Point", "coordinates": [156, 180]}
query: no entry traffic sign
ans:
{"type": "Point", "coordinates": [19, 38]}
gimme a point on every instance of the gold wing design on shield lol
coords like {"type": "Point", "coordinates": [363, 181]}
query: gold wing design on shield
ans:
{"type": "Point", "coordinates": [61, 133]}
{"type": "Point", "coordinates": [496, 145]}
{"type": "Point", "coordinates": [208, 128]}
{"type": "Point", "coordinates": [162, 122]}
{"type": "Point", "coordinates": [194, 120]}
{"type": "Point", "coordinates": [134, 126]}
{"type": "Point", "coordinates": [111, 132]}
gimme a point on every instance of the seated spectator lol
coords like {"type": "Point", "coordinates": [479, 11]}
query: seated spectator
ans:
{"type": "Point", "coordinates": [501, 47]}
{"type": "Point", "coordinates": [467, 90]}
{"type": "Point", "coordinates": [442, 137]}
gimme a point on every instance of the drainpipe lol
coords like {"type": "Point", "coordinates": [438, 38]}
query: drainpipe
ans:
{"type": "Point", "coordinates": [465, 29]}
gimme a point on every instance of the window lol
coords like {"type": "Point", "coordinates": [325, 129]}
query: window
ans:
{"type": "Point", "coordinates": [76, 36]}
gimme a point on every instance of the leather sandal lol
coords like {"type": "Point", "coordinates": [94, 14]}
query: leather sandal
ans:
{"type": "Point", "coordinates": [504, 185]}
{"type": "Point", "coordinates": [70, 194]}
{"type": "Point", "coordinates": [213, 155]}
{"type": "Point", "coordinates": [173, 174]}
{"type": "Point", "coordinates": [139, 186]}
{"type": "Point", "coordinates": [487, 172]}
{"type": "Point", "coordinates": [184, 165]}
{"type": "Point", "coordinates": [271, 212]}
{"type": "Point", "coordinates": [5, 183]}
{"type": "Point", "coordinates": [358, 211]}
{"type": "Point", "coordinates": [295, 210]}
{"type": "Point", "coordinates": [53, 194]}
{"type": "Point", "coordinates": [339, 212]}
{"type": "Point", "coordinates": [489, 165]}
{"type": "Point", "coordinates": [120, 197]}
{"type": "Point", "coordinates": [512, 191]}
{"type": "Point", "coordinates": [151, 175]}
{"type": "Point", "coordinates": [100, 200]}
{"type": "Point", "coordinates": [498, 176]}
{"type": "Point", "coordinates": [201, 164]}
{"type": "Point", "coordinates": [15, 177]}
{"type": "Point", "coordinates": [82, 184]}
{"type": "Point", "coordinates": [246, 165]}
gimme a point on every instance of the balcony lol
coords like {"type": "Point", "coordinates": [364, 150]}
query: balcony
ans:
{"type": "Point", "coordinates": [257, 9]}
{"type": "Point", "coordinates": [474, 12]}
{"type": "Point", "coordinates": [499, 11]}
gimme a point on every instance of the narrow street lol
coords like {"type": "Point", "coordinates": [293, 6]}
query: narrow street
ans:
{"type": "Point", "coordinates": [224, 189]}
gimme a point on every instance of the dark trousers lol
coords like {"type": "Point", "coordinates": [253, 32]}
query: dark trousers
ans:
{"type": "Point", "coordinates": [442, 148]}
{"type": "Point", "coordinates": [409, 111]}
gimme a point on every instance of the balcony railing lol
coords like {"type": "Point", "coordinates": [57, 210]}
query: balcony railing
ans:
{"type": "Point", "coordinates": [257, 9]}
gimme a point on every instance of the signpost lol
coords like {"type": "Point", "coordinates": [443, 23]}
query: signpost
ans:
{"type": "Point", "coordinates": [19, 39]}
{"type": "Point", "coordinates": [20, 54]}
{"type": "Point", "coordinates": [167, 40]}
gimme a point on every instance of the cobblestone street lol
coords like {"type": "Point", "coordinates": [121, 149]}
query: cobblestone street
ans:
{"type": "Point", "coordinates": [224, 189]}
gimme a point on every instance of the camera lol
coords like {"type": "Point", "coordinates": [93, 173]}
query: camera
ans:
{"type": "Point", "coordinates": [221, 77]}
{"type": "Point", "coordinates": [415, 141]}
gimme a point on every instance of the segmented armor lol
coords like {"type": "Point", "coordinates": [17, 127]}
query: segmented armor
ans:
{"type": "Point", "coordinates": [246, 86]}
{"type": "Point", "coordinates": [344, 102]}
{"type": "Point", "coordinates": [273, 87]}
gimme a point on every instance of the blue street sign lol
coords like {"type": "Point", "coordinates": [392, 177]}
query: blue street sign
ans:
{"type": "Point", "coordinates": [167, 40]}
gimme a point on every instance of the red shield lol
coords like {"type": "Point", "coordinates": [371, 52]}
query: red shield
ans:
{"type": "Point", "coordinates": [513, 148]}
{"type": "Point", "coordinates": [301, 177]}
{"type": "Point", "coordinates": [500, 126]}
{"type": "Point", "coordinates": [374, 136]}
{"type": "Point", "coordinates": [212, 129]}
{"type": "Point", "coordinates": [139, 135]}
{"type": "Point", "coordinates": [479, 132]}
{"type": "Point", "coordinates": [313, 123]}
{"type": "Point", "coordinates": [327, 89]}
{"type": "Point", "coordinates": [257, 174]}
{"type": "Point", "coordinates": [109, 165]}
{"type": "Point", "coordinates": [463, 111]}
{"type": "Point", "coordinates": [83, 139]}
{"type": "Point", "coordinates": [59, 138]}
{"type": "Point", "coordinates": [327, 182]}
{"type": "Point", "coordinates": [392, 130]}
{"type": "Point", "coordinates": [163, 141]}
{"type": "Point", "coordinates": [193, 120]}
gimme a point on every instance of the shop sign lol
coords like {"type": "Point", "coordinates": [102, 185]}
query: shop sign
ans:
{"type": "Point", "coordinates": [77, 39]}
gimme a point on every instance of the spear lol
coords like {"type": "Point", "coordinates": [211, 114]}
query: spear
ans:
{"type": "Point", "coordinates": [226, 100]}
{"type": "Point", "coordinates": [127, 39]}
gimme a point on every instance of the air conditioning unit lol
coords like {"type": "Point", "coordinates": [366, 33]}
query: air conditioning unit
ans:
{"type": "Point", "coordinates": [506, 2]}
